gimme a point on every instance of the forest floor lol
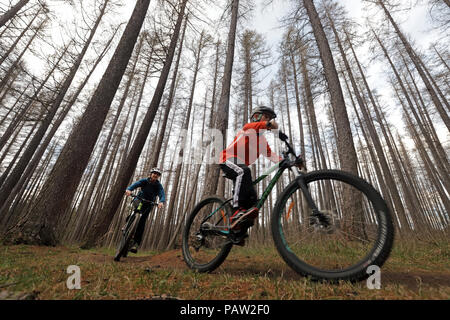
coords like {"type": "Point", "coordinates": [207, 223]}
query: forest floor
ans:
{"type": "Point", "coordinates": [414, 271]}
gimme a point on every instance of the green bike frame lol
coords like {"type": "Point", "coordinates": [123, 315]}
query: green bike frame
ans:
{"type": "Point", "coordinates": [281, 167]}
{"type": "Point", "coordinates": [266, 192]}
{"type": "Point", "coordinates": [272, 182]}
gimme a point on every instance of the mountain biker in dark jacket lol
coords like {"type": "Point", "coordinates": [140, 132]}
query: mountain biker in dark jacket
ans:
{"type": "Point", "coordinates": [150, 189]}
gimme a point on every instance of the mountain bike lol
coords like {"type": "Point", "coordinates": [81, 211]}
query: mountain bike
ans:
{"type": "Point", "coordinates": [129, 229]}
{"type": "Point", "coordinates": [326, 224]}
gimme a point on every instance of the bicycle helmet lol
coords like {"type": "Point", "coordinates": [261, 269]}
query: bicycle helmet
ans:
{"type": "Point", "coordinates": [156, 170]}
{"type": "Point", "coordinates": [263, 110]}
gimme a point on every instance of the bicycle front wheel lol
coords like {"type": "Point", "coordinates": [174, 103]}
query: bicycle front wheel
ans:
{"type": "Point", "coordinates": [353, 231]}
{"type": "Point", "coordinates": [205, 242]}
{"type": "Point", "coordinates": [128, 234]}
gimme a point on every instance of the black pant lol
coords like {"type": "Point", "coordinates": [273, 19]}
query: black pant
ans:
{"type": "Point", "coordinates": [145, 210]}
{"type": "Point", "coordinates": [244, 191]}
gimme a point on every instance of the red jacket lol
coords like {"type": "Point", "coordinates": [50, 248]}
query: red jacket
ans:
{"type": "Point", "coordinates": [249, 144]}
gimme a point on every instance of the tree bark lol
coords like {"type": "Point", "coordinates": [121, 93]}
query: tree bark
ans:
{"type": "Point", "coordinates": [126, 171]}
{"type": "Point", "coordinates": [221, 121]}
{"type": "Point", "coordinates": [12, 12]}
{"type": "Point", "coordinates": [417, 63]}
{"type": "Point", "coordinates": [173, 87]}
{"type": "Point", "coordinates": [11, 48]}
{"type": "Point", "coordinates": [14, 177]}
{"type": "Point", "coordinates": [57, 193]}
{"type": "Point", "coordinates": [345, 146]}
{"type": "Point", "coordinates": [171, 209]}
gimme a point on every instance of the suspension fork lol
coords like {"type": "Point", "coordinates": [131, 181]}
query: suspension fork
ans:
{"type": "Point", "coordinates": [316, 214]}
{"type": "Point", "coordinates": [305, 190]}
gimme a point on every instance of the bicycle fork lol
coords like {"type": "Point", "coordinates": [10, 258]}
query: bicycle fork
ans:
{"type": "Point", "coordinates": [316, 216]}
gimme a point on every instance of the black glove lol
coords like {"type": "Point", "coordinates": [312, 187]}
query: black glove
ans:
{"type": "Point", "coordinates": [282, 136]}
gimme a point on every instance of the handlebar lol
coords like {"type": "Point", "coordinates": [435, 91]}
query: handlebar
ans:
{"type": "Point", "coordinates": [290, 150]}
{"type": "Point", "coordinates": [134, 196]}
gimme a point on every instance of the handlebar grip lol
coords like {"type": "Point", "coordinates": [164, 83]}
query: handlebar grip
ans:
{"type": "Point", "coordinates": [282, 136]}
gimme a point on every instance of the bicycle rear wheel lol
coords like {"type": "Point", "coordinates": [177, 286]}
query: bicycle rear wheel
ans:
{"type": "Point", "coordinates": [205, 244]}
{"type": "Point", "coordinates": [127, 236]}
{"type": "Point", "coordinates": [359, 232]}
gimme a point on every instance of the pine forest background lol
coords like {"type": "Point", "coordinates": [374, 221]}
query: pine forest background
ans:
{"type": "Point", "coordinates": [91, 99]}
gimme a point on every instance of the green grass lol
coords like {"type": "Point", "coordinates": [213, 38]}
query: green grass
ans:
{"type": "Point", "coordinates": [422, 270]}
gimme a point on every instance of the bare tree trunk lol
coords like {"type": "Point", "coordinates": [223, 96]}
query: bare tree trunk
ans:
{"type": "Point", "coordinates": [12, 12]}
{"type": "Point", "coordinates": [39, 227]}
{"type": "Point", "coordinates": [8, 147]}
{"type": "Point", "coordinates": [12, 47]}
{"type": "Point", "coordinates": [126, 171]}
{"type": "Point", "coordinates": [212, 114]}
{"type": "Point", "coordinates": [19, 151]}
{"type": "Point", "coordinates": [19, 118]}
{"type": "Point", "coordinates": [297, 102]}
{"type": "Point", "coordinates": [312, 113]}
{"type": "Point", "coordinates": [428, 123]}
{"type": "Point", "coordinates": [352, 204]}
{"type": "Point", "coordinates": [10, 183]}
{"type": "Point", "coordinates": [345, 146]}
{"type": "Point", "coordinates": [14, 106]}
{"type": "Point", "coordinates": [375, 139]}
{"type": "Point", "coordinates": [440, 166]}
{"type": "Point", "coordinates": [417, 63]}
{"type": "Point", "coordinates": [171, 210]}
{"type": "Point", "coordinates": [11, 127]}
{"type": "Point", "coordinates": [173, 86]}
{"type": "Point", "coordinates": [424, 155]}
{"type": "Point", "coordinates": [221, 121]}
{"type": "Point", "coordinates": [378, 174]}
{"type": "Point", "coordinates": [106, 145]}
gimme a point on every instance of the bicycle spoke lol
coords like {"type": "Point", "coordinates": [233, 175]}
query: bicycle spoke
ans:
{"type": "Point", "coordinates": [353, 236]}
{"type": "Point", "coordinates": [343, 231]}
{"type": "Point", "coordinates": [204, 241]}
{"type": "Point", "coordinates": [299, 241]}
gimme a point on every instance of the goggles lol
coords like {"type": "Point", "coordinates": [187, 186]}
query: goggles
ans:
{"type": "Point", "coordinates": [257, 117]}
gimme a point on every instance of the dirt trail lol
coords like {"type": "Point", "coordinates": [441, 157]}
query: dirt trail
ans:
{"type": "Point", "coordinates": [246, 266]}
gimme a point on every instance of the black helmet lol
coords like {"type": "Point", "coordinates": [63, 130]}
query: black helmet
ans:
{"type": "Point", "coordinates": [264, 110]}
{"type": "Point", "coordinates": [156, 170]}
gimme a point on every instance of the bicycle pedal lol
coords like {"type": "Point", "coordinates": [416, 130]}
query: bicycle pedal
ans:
{"type": "Point", "coordinates": [239, 242]}
{"type": "Point", "coordinates": [236, 241]}
{"type": "Point", "coordinates": [238, 236]}
{"type": "Point", "coordinates": [242, 222]}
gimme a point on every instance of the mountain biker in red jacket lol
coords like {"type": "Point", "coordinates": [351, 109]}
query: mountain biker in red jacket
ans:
{"type": "Point", "coordinates": [246, 147]}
